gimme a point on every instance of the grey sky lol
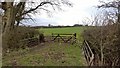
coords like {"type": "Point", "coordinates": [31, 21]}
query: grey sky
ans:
{"type": "Point", "coordinates": [70, 15]}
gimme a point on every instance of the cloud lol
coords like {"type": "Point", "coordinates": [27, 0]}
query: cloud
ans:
{"type": "Point", "coordinates": [81, 9]}
{"type": "Point", "coordinates": [71, 15]}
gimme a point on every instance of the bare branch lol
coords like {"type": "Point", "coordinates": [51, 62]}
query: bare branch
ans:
{"type": "Point", "coordinates": [113, 4]}
{"type": "Point", "coordinates": [33, 9]}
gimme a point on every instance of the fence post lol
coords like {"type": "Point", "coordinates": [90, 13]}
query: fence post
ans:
{"type": "Point", "coordinates": [74, 38]}
{"type": "Point", "coordinates": [75, 35]}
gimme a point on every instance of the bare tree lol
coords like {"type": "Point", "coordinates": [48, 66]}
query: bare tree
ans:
{"type": "Point", "coordinates": [20, 10]}
{"type": "Point", "coordinates": [17, 11]}
{"type": "Point", "coordinates": [113, 4]}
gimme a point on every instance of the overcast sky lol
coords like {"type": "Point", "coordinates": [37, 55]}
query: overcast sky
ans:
{"type": "Point", "coordinates": [70, 16]}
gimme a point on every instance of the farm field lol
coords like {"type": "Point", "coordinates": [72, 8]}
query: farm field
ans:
{"type": "Point", "coordinates": [49, 31]}
{"type": "Point", "coordinates": [50, 53]}
{"type": "Point", "coordinates": [65, 30]}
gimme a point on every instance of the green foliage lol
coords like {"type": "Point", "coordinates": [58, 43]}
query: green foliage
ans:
{"type": "Point", "coordinates": [26, 32]}
{"type": "Point", "coordinates": [18, 34]}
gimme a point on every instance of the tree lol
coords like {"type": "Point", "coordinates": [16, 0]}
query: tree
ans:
{"type": "Point", "coordinates": [76, 25]}
{"type": "Point", "coordinates": [17, 11]}
{"type": "Point", "coordinates": [113, 4]}
{"type": "Point", "coordinates": [49, 25]}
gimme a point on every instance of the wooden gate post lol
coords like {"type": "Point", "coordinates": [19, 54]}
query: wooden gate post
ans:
{"type": "Point", "coordinates": [74, 38]}
{"type": "Point", "coordinates": [75, 35]}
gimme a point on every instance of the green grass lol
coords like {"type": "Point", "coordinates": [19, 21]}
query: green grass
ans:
{"type": "Point", "coordinates": [48, 55]}
{"type": "Point", "coordinates": [51, 54]}
{"type": "Point", "coordinates": [69, 30]}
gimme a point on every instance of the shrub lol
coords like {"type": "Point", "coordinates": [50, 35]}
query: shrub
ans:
{"type": "Point", "coordinates": [109, 38]}
{"type": "Point", "coordinates": [19, 34]}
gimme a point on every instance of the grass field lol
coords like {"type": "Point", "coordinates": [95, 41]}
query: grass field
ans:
{"type": "Point", "coordinates": [50, 54]}
{"type": "Point", "coordinates": [66, 30]}
{"type": "Point", "coordinates": [47, 55]}
{"type": "Point", "coordinates": [49, 31]}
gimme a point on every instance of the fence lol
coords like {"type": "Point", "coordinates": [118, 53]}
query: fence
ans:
{"type": "Point", "coordinates": [55, 37]}
{"type": "Point", "coordinates": [64, 37]}
{"type": "Point", "coordinates": [30, 41]}
{"type": "Point", "coordinates": [33, 41]}
{"type": "Point", "coordinates": [89, 55]}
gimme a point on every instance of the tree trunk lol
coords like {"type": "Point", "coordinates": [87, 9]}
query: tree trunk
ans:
{"type": "Point", "coordinates": [8, 25]}
{"type": "Point", "coordinates": [119, 12]}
